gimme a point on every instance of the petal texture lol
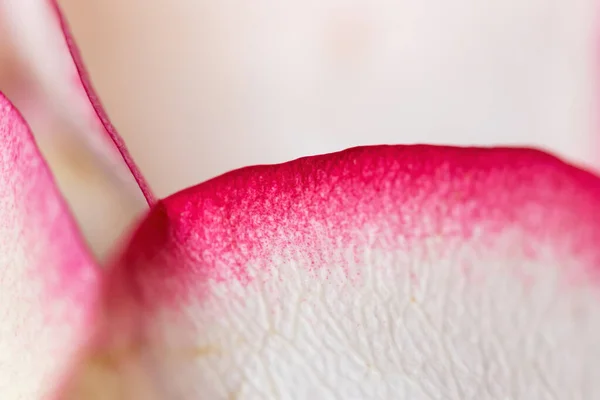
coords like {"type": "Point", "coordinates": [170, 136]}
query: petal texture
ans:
{"type": "Point", "coordinates": [374, 273]}
{"type": "Point", "coordinates": [47, 279]}
{"type": "Point", "coordinates": [42, 36]}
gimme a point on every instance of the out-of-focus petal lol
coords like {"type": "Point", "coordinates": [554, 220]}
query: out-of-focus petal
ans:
{"type": "Point", "coordinates": [237, 83]}
{"type": "Point", "coordinates": [42, 36]}
{"type": "Point", "coordinates": [383, 272]}
{"type": "Point", "coordinates": [102, 202]}
{"type": "Point", "coordinates": [47, 279]}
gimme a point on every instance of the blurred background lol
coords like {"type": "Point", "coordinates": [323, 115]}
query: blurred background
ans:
{"type": "Point", "coordinates": [197, 88]}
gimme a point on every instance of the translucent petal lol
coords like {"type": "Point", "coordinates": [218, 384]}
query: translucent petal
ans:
{"type": "Point", "coordinates": [42, 36]}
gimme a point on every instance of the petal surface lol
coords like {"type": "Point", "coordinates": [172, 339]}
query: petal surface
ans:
{"type": "Point", "coordinates": [42, 37]}
{"type": "Point", "coordinates": [375, 273]}
{"type": "Point", "coordinates": [47, 279]}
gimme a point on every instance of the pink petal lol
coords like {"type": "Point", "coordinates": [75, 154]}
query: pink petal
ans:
{"type": "Point", "coordinates": [47, 278]}
{"type": "Point", "coordinates": [380, 272]}
{"type": "Point", "coordinates": [42, 35]}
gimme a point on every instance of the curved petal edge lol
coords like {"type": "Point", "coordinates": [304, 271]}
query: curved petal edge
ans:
{"type": "Point", "coordinates": [42, 35]}
{"type": "Point", "coordinates": [381, 272]}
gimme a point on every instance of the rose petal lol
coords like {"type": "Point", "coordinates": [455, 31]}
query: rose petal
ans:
{"type": "Point", "coordinates": [42, 36]}
{"type": "Point", "coordinates": [383, 272]}
{"type": "Point", "coordinates": [47, 278]}
{"type": "Point", "coordinates": [236, 83]}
